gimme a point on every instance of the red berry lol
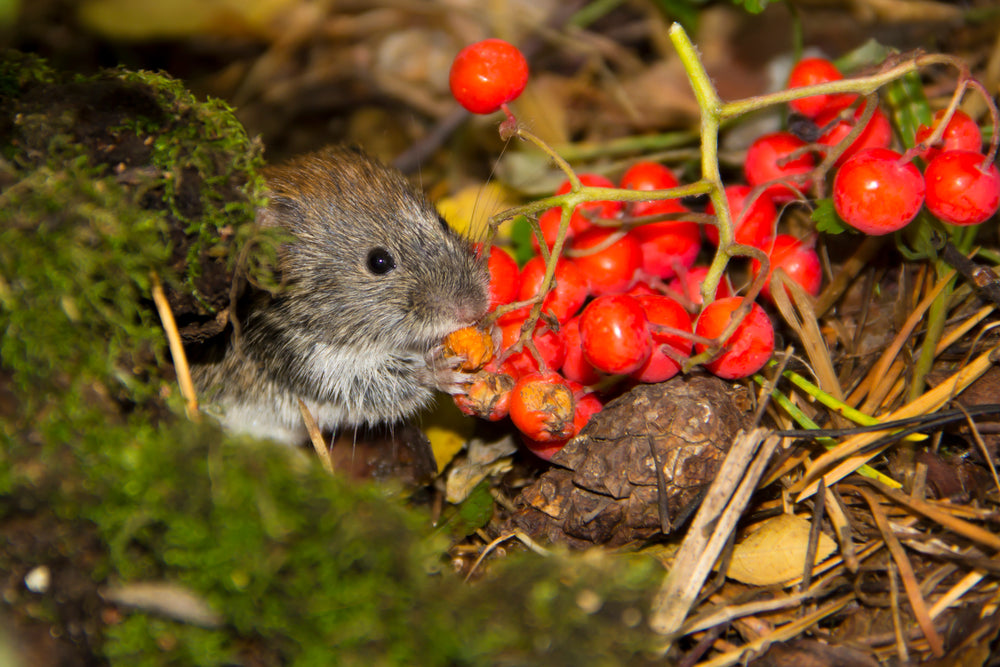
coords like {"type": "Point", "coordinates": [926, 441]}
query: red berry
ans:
{"type": "Point", "coordinates": [647, 176]}
{"type": "Point", "coordinates": [550, 344]}
{"type": "Point", "coordinates": [811, 71]}
{"type": "Point", "coordinates": [615, 334]}
{"type": "Point", "coordinates": [565, 298]}
{"type": "Point", "coordinates": [799, 260]}
{"type": "Point", "coordinates": [641, 288]}
{"type": "Point", "coordinates": [668, 246]}
{"type": "Point", "coordinates": [543, 450]}
{"type": "Point", "coordinates": [959, 190]}
{"type": "Point", "coordinates": [612, 268]}
{"type": "Point", "coordinates": [662, 311]}
{"type": "Point", "coordinates": [768, 160]}
{"type": "Point", "coordinates": [487, 74]}
{"type": "Point", "coordinates": [960, 134]}
{"type": "Point", "coordinates": [505, 277]}
{"type": "Point", "coordinates": [587, 405]}
{"type": "Point", "coordinates": [542, 407]}
{"type": "Point", "coordinates": [877, 134]}
{"type": "Point", "coordinates": [592, 210]}
{"type": "Point", "coordinates": [688, 285]}
{"type": "Point", "coordinates": [747, 350]}
{"type": "Point", "coordinates": [575, 367]}
{"type": "Point", "coordinates": [876, 192]}
{"type": "Point", "coordinates": [753, 226]}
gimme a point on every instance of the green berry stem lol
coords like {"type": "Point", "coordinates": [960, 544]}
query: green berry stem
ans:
{"type": "Point", "coordinates": [711, 107]}
{"type": "Point", "coordinates": [832, 155]}
{"type": "Point", "coordinates": [561, 162]}
{"type": "Point", "coordinates": [863, 85]}
{"type": "Point", "coordinates": [991, 154]}
{"type": "Point", "coordinates": [937, 314]}
{"type": "Point", "coordinates": [804, 421]}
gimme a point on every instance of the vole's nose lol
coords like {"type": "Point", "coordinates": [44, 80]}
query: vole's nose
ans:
{"type": "Point", "coordinates": [470, 310]}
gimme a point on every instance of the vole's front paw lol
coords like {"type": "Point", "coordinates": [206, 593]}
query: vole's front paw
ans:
{"type": "Point", "coordinates": [462, 353]}
{"type": "Point", "coordinates": [444, 371]}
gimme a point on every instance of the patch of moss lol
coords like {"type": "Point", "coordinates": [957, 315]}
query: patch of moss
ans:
{"type": "Point", "coordinates": [303, 568]}
{"type": "Point", "coordinates": [306, 568]}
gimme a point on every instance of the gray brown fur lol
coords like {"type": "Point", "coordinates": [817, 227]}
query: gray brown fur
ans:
{"type": "Point", "coordinates": [358, 348]}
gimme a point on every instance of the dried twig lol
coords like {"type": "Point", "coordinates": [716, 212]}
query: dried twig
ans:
{"type": "Point", "coordinates": [849, 455]}
{"type": "Point", "coordinates": [710, 529]}
{"type": "Point", "coordinates": [917, 602]}
{"type": "Point", "coordinates": [181, 367]}
{"type": "Point", "coordinates": [316, 437]}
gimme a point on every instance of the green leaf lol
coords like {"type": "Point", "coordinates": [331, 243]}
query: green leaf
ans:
{"type": "Point", "coordinates": [908, 106]}
{"type": "Point", "coordinates": [826, 218]}
{"type": "Point", "coordinates": [684, 12]}
{"type": "Point", "coordinates": [520, 237]}
{"type": "Point", "coordinates": [753, 6]}
{"type": "Point", "coordinates": [475, 511]}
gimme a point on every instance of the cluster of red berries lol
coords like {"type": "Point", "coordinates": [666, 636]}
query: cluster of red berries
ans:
{"type": "Point", "coordinates": [878, 190]}
{"type": "Point", "coordinates": [626, 298]}
{"type": "Point", "coordinates": [625, 304]}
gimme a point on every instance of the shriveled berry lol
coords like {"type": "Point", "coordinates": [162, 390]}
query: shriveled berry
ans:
{"type": "Point", "coordinates": [542, 407]}
{"type": "Point", "coordinates": [587, 405]}
{"type": "Point", "coordinates": [470, 344]}
{"type": "Point", "coordinates": [487, 396]}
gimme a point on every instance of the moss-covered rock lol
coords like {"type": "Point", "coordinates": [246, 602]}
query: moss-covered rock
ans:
{"type": "Point", "coordinates": [104, 483]}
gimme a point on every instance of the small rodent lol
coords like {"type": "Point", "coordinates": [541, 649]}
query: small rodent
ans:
{"type": "Point", "coordinates": [373, 281]}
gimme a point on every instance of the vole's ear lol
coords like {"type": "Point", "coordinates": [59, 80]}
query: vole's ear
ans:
{"type": "Point", "coordinates": [278, 209]}
{"type": "Point", "coordinates": [267, 217]}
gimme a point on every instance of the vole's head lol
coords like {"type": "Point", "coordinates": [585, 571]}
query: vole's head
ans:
{"type": "Point", "coordinates": [373, 263]}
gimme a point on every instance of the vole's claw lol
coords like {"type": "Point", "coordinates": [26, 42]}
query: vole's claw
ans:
{"type": "Point", "coordinates": [444, 375]}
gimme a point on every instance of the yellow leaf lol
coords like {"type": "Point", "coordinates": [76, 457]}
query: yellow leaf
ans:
{"type": "Point", "coordinates": [775, 551]}
{"type": "Point", "coordinates": [447, 429]}
{"type": "Point", "coordinates": [148, 19]}
{"type": "Point", "coordinates": [468, 211]}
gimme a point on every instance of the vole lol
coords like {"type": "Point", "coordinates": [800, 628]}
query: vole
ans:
{"type": "Point", "coordinates": [373, 281]}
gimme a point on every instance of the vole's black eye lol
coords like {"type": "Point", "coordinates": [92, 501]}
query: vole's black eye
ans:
{"type": "Point", "coordinates": [380, 261]}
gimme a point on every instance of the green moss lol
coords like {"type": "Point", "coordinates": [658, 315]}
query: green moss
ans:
{"type": "Point", "coordinates": [111, 179]}
{"type": "Point", "coordinates": [309, 568]}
